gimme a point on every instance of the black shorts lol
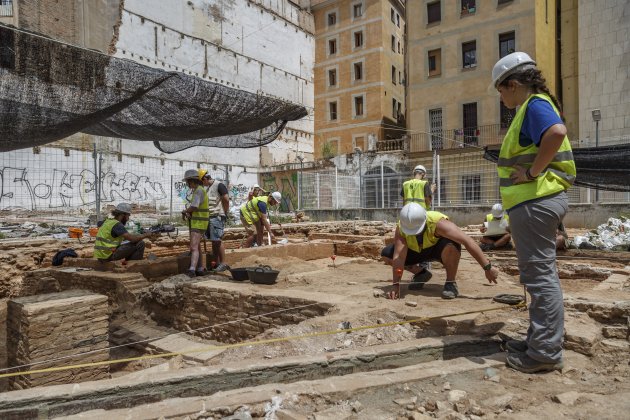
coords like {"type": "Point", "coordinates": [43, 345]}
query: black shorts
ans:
{"type": "Point", "coordinates": [495, 237]}
{"type": "Point", "coordinates": [433, 253]}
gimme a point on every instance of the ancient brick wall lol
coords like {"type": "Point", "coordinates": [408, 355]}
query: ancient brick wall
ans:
{"type": "Point", "coordinates": [45, 327]}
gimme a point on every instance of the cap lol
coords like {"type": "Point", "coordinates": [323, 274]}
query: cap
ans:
{"type": "Point", "coordinates": [123, 208]}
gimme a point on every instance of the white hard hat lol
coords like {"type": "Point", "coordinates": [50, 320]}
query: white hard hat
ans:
{"type": "Point", "coordinates": [497, 210]}
{"type": "Point", "coordinates": [256, 186]}
{"type": "Point", "coordinates": [419, 168]}
{"type": "Point", "coordinates": [509, 65]}
{"type": "Point", "coordinates": [123, 208]}
{"type": "Point", "coordinates": [276, 196]}
{"type": "Point", "coordinates": [412, 219]}
{"type": "Point", "coordinates": [191, 173]}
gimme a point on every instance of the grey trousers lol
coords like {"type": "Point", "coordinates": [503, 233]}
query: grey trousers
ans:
{"type": "Point", "coordinates": [129, 251]}
{"type": "Point", "coordinates": [533, 227]}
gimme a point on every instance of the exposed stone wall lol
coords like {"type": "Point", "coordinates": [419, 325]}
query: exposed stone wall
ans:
{"type": "Point", "coordinates": [204, 304]}
{"type": "Point", "coordinates": [44, 327]}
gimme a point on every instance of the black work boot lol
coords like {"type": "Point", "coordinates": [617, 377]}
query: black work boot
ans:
{"type": "Point", "coordinates": [523, 363]}
{"type": "Point", "coordinates": [418, 280]}
{"type": "Point", "coordinates": [516, 346]}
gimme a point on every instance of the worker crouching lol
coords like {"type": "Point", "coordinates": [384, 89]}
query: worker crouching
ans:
{"type": "Point", "coordinates": [254, 213]}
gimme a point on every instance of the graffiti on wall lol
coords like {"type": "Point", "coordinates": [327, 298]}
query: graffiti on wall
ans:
{"type": "Point", "coordinates": [287, 184]}
{"type": "Point", "coordinates": [62, 188]}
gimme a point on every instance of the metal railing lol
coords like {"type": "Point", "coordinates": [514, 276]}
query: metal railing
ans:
{"type": "Point", "coordinates": [6, 8]}
{"type": "Point", "coordinates": [393, 145]}
{"type": "Point", "coordinates": [458, 138]}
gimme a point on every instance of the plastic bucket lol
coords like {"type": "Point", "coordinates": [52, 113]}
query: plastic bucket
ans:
{"type": "Point", "coordinates": [75, 232]}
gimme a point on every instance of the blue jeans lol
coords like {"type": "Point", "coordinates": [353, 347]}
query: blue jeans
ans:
{"type": "Point", "coordinates": [215, 228]}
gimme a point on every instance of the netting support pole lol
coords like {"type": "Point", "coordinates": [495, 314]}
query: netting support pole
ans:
{"type": "Point", "coordinates": [170, 207]}
{"type": "Point", "coordinates": [97, 184]}
{"type": "Point", "coordinates": [317, 188]}
{"type": "Point", "coordinates": [336, 188]}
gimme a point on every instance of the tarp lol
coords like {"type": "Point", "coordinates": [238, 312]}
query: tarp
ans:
{"type": "Point", "coordinates": [602, 168]}
{"type": "Point", "coordinates": [50, 90]}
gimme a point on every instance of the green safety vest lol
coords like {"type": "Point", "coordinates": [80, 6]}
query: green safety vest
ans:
{"type": "Point", "coordinates": [413, 192]}
{"type": "Point", "coordinates": [490, 218]}
{"type": "Point", "coordinates": [555, 178]}
{"type": "Point", "coordinates": [200, 218]}
{"type": "Point", "coordinates": [428, 238]}
{"type": "Point", "coordinates": [105, 243]}
{"type": "Point", "coordinates": [250, 210]}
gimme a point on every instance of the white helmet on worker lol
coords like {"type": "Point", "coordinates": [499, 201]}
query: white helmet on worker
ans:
{"type": "Point", "coordinates": [420, 168]}
{"type": "Point", "coordinates": [509, 65]}
{"type": "Point", "coordinates": [190, 174]}
{"type": "Point", "coordinates": [123, 208]}
{"type": "Point", "coordinates": [276, 196]}
{"type": "Point", "coordinates": [412, 219]}
{"type": "Point", "coordinates": [497, 211]}
{"type": "Point", "coordinates": [256, 186]}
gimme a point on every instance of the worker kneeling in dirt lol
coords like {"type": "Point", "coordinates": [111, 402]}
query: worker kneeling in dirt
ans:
{"type": "Point", "coordinates": [496, 230]}
{"type": "Point", "coordinates": [423, 236]}
{"type": "Point", "coordinates": [109, 246]}
{"type": "Point", "coordinates": [254, 213]}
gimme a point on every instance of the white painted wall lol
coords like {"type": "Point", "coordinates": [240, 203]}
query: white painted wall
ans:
{"type": "Point", "coordinates": [604, 81]}
{"type": "Point", "coordinates": [263, 46]}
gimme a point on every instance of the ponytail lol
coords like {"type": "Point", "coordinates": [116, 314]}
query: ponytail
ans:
{"type": "Point", "coordinates": [534, 79]}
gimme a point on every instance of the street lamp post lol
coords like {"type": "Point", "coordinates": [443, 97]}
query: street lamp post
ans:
{"type": "Point", "coordinates": [301, 159]}
{"type": "Point", "coordinates": [597, 117]}
{"type": "Point", "coordinates": [359, 152]}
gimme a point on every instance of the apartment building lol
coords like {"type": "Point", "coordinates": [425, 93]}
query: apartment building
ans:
{"type": "Point", "coordinates": [359, 74]}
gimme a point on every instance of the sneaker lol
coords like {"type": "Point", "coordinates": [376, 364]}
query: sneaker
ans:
{"type": "Point", "coordinates": [200, 272]}
{"type": "Point", "coordinates": [418, 280]}
{"type": "Point", "coordinates": [221, 268]}
{"type": "Point", "coordinates": [486, 247]}
{"type": "Point", "coordinates": [450, 290]}
{"type": "Point", "coordinates": [191, 273]}
{"type": "Point", "coordinates": [516, 346]}
{"type": "Point", "coordinates": [523, 363]}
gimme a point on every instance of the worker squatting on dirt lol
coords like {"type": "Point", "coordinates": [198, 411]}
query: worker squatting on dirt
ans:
{"type": "Point", "coordinates": [254, 213]}
{"type": "Point", "coordinates": [197, 213]}
{"type": "Point", "coordinates": [108, 245]}
{"type": "Point", "coordinates": [491, 239]}
{"type": "Point", "coordinates": [422, 236]}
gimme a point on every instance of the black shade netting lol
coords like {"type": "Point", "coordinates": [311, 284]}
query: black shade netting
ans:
{"type": "Point", "coordinates": [602, 168]}
{"type": "Point", "coordinates": [50, 90]}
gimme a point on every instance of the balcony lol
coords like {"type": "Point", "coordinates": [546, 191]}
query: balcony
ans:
{"type": "Point", "coordinates": [394, 145]}
{"type": "Point", "coordinates": [458, 138]}
{"type": "Point", "coordinates": [6, 8]}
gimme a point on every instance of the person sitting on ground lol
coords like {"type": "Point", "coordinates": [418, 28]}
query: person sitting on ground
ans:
{"type": "Point", "coordinates": [219, 204]}
{"type": "Point", "coordinates": [254, 213]}
{"type": "Point", "coordinates": [502, 240]}
{"type": "Point", "coordinates": [422, 236]}
{"type": "Point", "coordinates": [108, 245]}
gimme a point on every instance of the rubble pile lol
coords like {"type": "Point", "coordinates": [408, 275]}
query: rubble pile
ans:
{"type": "Point", "coordinates": [613, 236]}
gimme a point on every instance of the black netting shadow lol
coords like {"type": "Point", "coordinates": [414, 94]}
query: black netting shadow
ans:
{"type": "Point", "coordinates": [50, 90]}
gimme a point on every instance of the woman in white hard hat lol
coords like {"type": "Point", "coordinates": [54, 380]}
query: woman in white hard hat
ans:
{"type": "Point", "coordinates": [254, 213]}
{"type": "Point", "coordinates": [498, 236]}
{"type": "Point", "coordinates": [422, 236]}
{"type": "Point", "coordinates": [535, 169]}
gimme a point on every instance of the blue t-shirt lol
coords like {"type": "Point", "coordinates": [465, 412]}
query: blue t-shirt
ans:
{"type": "Point", "coordinates": [262, 206]}
{"type": "Point", "coordinates": [539, 116]}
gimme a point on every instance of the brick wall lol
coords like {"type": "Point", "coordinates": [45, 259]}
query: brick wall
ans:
{"type": "Point", "coordinates": [44, 327]}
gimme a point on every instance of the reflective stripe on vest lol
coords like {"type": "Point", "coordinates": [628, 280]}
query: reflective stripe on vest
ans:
{"type": "Point", "coordinates": [250, 211]}
{"type": "Point", "coordinates": [558, 176]}
{"type": "Point", "coordinates": [199, 218]}
{"type": "Point", "coordinates": [105, 243]}
{"type": "Point", "coordinates": [413, 192]}
{"type": "Point", "coordinates": [428, 237]}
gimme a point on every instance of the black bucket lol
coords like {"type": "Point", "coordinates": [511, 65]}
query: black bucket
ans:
{"type": "Point", "coordinates": [239, 274]}
{"type": "Point", "coordinates": [262, 275]}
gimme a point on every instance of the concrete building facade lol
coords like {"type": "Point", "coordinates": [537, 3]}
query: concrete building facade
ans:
{"type": "Point", "coordinates": [359, 74]}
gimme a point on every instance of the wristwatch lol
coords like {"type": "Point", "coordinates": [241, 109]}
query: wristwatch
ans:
{"type": "Point", "coordinates": [487, 266]}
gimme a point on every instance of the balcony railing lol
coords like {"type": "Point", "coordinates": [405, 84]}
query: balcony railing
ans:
{"type": "Point", "coordinates": [458, 138]}
{"type": "Point", "coordinates": [6, 8]}
{"type": "Point", "coordinates": [394, 145]}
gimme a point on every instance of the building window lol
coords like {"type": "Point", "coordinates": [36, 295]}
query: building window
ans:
{"type": "Point", "coordinates": [393, 75]}
{"type": "Point", "coordinates": [332, 46]}
{"type": "Point", "coordinates": [434, 13]}
{"type": "Point", "coordinates": [357, 10]}
{"type": "Point", "coordinates": [6, 8]}
{"type": "Point", "coordinates": [397, 20]}
{"type": "Point", "coordinates": [398, 47]}
{"type": "Point", "coordinates": [332, 111]}
{"type": "Point", "coordinates": [358, 141]}
{"type": "Point", "coordinates": [468, 7]}
{"type": "Point", "coordinates": [435, 62]}
{"type": "Point", "coordinates": [332, 77]}
{"type": "Point", "coordinates": [392, 14]}
{"type": "Point", "coordinates": [358, 39]}
{"type": "Point", "coordinates": [332, 19]}
{"type": "Point", "coordinates": [500, 2]}
{"type": "Point", "coordinates": [435, 124]}
{"type": "Point", "coordinates": [393, 43]}
{"type": "Point", "coordinates": [506, 115]}
{"type": "Point", "coordinates": [358, 71]}
{"type": "Point", "coordinates": [470, 123]}
{"type": "Point", "coordinates": [469, 54]}
{"type": "Point", "coordinates": [471, 188]}
{"type": "Point", "coordinates": [394, 108]}
{"type": "Point", "coordinates": [507, 44]}
{"type": "Point", "coordinates": [358, 106]}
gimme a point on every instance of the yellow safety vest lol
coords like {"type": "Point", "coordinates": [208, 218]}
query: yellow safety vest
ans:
{"type": "Point", "coordinates": [250, 210]}
{"type": "Point", "coordinates": [413, 192]}
{"type": "Point", "coordinates": [200, 218]}
{"type": "Point", "coordinates": [105, 243]}
{"type": "Point", "coordinates": [490, 218]}
{"type": "Point", "coordinates": [555, 178]}
{"type": "Point", "coordinates": [428, 238]}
